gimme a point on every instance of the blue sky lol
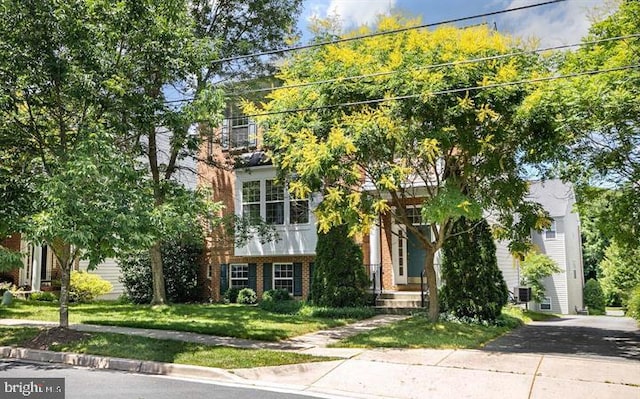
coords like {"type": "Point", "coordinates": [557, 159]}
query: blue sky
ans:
{"type": "Point", "coordinates": [555, 24]}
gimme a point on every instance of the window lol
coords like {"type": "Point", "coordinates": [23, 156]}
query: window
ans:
{"type": "Point", "coordinates": [251, 200]}
{"type": "Point", "coordinates": [270, 201]}
{"type": "Point", "coordinates": [545, 304]}
{"type": "Point", "coordinates": [210, 271]}
{"type": "Point", "coordinates": [550, 233]}
{"type": "Point", "coordinates": [238, 132]}
{"type": "Point", "coordinates": [415, 216]}
{"type": "Point", "coordinates": [239, 276]}
{"type": "Point", "coordinates": [274, 197]}
{"type": "Point", "coordinates": [283, 276]}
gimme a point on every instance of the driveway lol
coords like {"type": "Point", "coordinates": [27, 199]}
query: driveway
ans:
{"type": "Point", "coordinates": [590, 336]}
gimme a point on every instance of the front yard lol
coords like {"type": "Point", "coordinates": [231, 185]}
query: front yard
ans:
{"type": "Point", "coordinates": [237, 321]}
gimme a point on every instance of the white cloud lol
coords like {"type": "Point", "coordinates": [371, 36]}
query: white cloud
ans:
{"type": "Point", "coordinates": [354, 12]}
{"type": "Point", "coordinates": [555, 24]}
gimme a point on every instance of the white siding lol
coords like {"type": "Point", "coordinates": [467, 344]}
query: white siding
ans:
{"type": "Point", "coordinates": [556, 285]}
{"type": "Point", "coordinates": [507, 265]}
{"type": "Point", "coordinates": [294, 239]}
{"type": "Point", "coordinates": [110, 271]}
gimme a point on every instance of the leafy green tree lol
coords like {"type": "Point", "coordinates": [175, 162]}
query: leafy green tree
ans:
{"type": "Point", "coordinates": [595, 238]}
{"type": "Point", "coordinates": [339, 280]}
{"type": "Point", "coordinates": [473, 285]}
{"type": "Point", "coordinates": [58, 61]}
{"type": "Point", "coordinates": [594, 297]}
{"type": "Point", "coordinates": [410, 131]}
{"type": "Point", "coordinates": [620, 273]}
{"type": "Point", "coordinates": [534, 269]}
{"type": "Point", "coordinates": [598, 117]}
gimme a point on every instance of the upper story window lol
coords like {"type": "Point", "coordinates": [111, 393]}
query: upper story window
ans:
{"type": "Point", "coordinates": [550, 232]}
{"type": "Point", "coordinates": [269, 200]}
{"type": "Point", "coordinates": [238, 132]}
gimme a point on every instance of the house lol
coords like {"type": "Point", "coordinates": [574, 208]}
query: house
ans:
{"type": "Point", "coordinates": [393, 257]}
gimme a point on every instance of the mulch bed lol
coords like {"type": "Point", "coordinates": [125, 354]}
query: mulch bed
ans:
{"type": "Point", "coordinates": [54, 336]}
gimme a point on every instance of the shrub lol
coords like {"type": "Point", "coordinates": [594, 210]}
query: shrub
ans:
{"type": "Point", "coordinates": [181, 262]}
{"type": "Point", "coordinates": [43, 296]}
{"type": "Point", "coordinates": [281, 307]}
{"type": "Point", "coordinates": [594, 297]}
{"type": "Point", "coordinates": [277, 295]}
{"type": "Point", "coordinates": [342, 313]}
{"type": "Point", "coordinates": [534, 269]}
{"type": "Point", "coordinates": [633, 305]}
{"type": "Point", "coordinates": [86, 287]}
{"type": "Point", "coordinates": [339, 279]}
{"type": "Point", "coordinates": [474, 287]}
{"type": "Point", "coordinates": [231, 295]}
{"type": "Point", "coordinates": [247, 296]}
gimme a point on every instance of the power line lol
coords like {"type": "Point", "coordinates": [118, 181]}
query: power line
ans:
{"type": "Point", "coordinates": [443, 92]}
{"type": "Point", "coordinates": [375, 34]}
{"type": "Point", "coordinates": [434, 66]}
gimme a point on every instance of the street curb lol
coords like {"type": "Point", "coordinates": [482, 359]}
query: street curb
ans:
{"type": "Point", "coordinates": [120, 364]}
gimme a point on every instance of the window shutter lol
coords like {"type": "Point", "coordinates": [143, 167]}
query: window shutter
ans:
{"type": "Point", "coordinates": [311, 268]}
{"type": "Point", "coordinates": [224, 278]}
{"type": "Point", "coordinates": [297, 279]}
{"type": "Point", "coordinates": [267, 276]}
{"type": "Point", "coordinates": [224, 139]}
{"type": "Point", "coordinates": [253, 276]}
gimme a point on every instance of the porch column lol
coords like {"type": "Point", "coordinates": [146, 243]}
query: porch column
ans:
{"type": "Point", "coordinates": [375, 258]}
{"type": "Point", "coordinates": [36, 267]}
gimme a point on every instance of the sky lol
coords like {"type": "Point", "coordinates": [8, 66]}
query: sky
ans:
{"type": "Point", "coordinates": [555, 24]}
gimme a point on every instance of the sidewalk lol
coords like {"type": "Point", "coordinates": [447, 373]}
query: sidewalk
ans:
{"type": "Point", "coordinates": [390, 373]}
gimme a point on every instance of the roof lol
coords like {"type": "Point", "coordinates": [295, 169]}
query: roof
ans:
{"type": "Point", "coordinates": [555, 196]}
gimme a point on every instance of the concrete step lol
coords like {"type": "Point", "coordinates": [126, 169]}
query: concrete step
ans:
{"type": "Point", "coordinates": [402, 311]}
{"type": "Point", "coordinates": [400, 295]}
{"type": "Point", "coordinates": [398, 303]}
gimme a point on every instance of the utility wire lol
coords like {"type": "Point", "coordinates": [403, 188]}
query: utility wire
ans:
{"type": "Point", "coordinates": [442, 92]}
{"type": "Point", "coordinates": [434, 66]}
{"type": "Point", "coordinates": [389, 32]}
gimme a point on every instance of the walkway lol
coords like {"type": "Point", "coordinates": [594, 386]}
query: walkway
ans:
{"type": "Point", "coordinates": [315, 342]}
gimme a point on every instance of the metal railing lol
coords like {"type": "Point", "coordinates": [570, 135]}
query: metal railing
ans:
{"type": "Point", "coordinates": [374, 272]}
{"type": "Point", "coordinates": [422, 290]}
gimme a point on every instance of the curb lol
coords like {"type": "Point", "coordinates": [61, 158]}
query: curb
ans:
{"type": "Point", "coordinates": [119, 364]}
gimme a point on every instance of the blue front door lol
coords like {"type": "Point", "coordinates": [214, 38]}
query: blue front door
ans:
{"type": "Point", "coordinates": [415, 252]}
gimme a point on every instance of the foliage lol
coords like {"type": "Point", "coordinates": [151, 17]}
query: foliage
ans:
{"type": "Point", "coordinates": [357, 312]}
{"type": "Point", "coordinates": [339, 280]}
{"type": "Point", "coordinates": [592, 205]}
{"type": "Point", "coordinates": [594, 296]}
{"type": "Point", "coordinates": [470, 144]}
{"type": "Point", "coordinates": [43, 296]}
{"type": "Point", "coordinates": [534, 269]}
{"type": "Point", "coordinates": [231, 295]}
{"type": "Point", "coordinates": [473, 283]}
{"type": "Point", "coordinates": [598, 118]}
{"type": "Point", "coordinates": [85, 287]}
{"type": "Point", "coordinates": [247, 296]}
{"type": "Point", "coordinates": [281, 307]}
{"type": "Point", "coordinates": [9, 259]}
{"type": "Point", "coordinates": [276, 295]}
{"type": "Point", "coordinates": [633, 305]}
{"type": "Point", "coordinates": [182, 261]}
{"type": "Point", "coordinates": [8, 286]}
{"type": "Point", "coordinates": [620, 273]}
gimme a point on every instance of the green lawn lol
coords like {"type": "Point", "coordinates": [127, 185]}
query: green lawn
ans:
{"type": "Point", "coordinates": [141, 348]}
{"type": "Point", "coordinates": [418, 332]}
{"type": "Point", "coordinates": [224, 320]}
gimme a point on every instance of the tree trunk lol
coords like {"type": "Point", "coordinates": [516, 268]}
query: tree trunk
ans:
{"type": "Point", "coordinates": [157, 273]}
{"type": "Point", "coordinates": [432, 285]}
{"type": "Point", "coordinates": [65, 284]}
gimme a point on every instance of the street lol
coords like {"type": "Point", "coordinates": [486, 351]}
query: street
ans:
{"type": "Point", "coordinates": [98, 384]}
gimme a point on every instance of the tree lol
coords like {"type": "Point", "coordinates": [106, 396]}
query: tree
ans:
{"type": "Point", "coordinates": [534, 269]}
{"type": "Point", "coordinates": [473, 285]}
{"type": "Point", "coordinates": [620, 273]}
{"type": "Point", "coordinates": [598, 117]}
{"type": "Point", "coordinates": [594, 297]}
{"type": "Point", "coordinates": [595, 237]}
{"type": "Point", "coordinates": [339, 279]}
{"type": "Point", "coordinates": [406, 138]}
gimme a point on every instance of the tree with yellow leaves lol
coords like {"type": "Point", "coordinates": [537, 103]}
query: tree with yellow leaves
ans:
{"type": "Point", "coordinates": [404, 125]}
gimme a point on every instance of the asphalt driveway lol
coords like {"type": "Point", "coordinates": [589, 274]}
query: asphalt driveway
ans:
{"type": "Point", "coordinates": [590, 336]}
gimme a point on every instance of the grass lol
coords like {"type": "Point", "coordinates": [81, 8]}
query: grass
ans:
{"type": "Point", "coordinates": [168, 351]}
{"type": "Point", "coordinates": [419, 332]}
{"type": "Point", "coordinates": [238, 321]}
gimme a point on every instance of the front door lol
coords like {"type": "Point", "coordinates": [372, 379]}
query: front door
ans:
{"type": "Point", "coordinates": [415, 255]}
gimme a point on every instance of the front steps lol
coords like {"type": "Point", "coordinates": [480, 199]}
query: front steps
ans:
{"type": "Point", "coordinates": [399, 302]}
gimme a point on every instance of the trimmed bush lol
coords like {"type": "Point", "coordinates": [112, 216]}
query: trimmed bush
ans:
{"type": "Point", "coordinates": [231, 295]}
{"type": "Point", "coordinates": [247, 296]}
{"type": "Point", "coordinates": [473, 284]}
{"type": "Point", "coordinates": [594, 297]}
{"type": "Point", "coordinates": [43, 296]}
{"type": "Point", "coordinates": [86, 287]}
{"type": "Point", "coordinates": [339, 279]}
{"type": "Point", "coordinates": [181, 262]}
{"type": "Point", "coordinates": [281, 307]}
{"type": "Point", "coordinates": [277, 295]}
